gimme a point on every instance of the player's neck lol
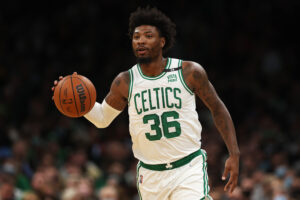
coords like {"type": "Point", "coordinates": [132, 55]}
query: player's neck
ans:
{"type": "Point", "coordinates": [155, 67]}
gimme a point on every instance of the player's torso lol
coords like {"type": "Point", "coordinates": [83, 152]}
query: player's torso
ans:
{"type": "Point", "coordinates": [163, 121]}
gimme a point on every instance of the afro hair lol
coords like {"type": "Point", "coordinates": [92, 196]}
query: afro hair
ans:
{"type": "Point", "coordinates": [154, 17]}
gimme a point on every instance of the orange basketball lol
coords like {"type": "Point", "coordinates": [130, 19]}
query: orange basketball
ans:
{"type": "Point", "coordinates": [74, 95]}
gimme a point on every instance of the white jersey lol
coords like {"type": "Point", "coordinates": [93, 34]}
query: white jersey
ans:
{"type": "Point", "coordinates": [163, 121]}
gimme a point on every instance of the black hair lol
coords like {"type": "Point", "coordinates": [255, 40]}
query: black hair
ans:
{"type": "Point", "coordinates": [153, 17]}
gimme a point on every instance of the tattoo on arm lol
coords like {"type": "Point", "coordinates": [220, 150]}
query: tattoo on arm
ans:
{"type": "Point", "coordinates": [117, 82]}
{"type": "Point", "coordinates": [201, 86]}
{"type": "Point", "coordinates": [117, 96]}
{"type": "Point", "coordinates": [121, 82]}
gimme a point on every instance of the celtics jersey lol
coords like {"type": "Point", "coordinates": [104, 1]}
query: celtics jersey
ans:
{"type": "Point", "coordinates": [163, 121]}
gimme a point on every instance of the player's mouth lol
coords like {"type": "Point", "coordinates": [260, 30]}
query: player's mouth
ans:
{"type": "Point", "coordinates": [141, 50]}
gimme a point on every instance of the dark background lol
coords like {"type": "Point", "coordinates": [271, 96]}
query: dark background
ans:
{"type": "Point", "coordinates": [248, 49]}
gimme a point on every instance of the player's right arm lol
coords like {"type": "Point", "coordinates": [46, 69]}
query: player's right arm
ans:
{"type": "Point", "coordinates": [115, 101]}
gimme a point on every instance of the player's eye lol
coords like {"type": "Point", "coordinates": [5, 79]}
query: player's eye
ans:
{"type": "Point", "coordinates": [149, 36]}
{"type": "Point", "coordinates": [136, 37]}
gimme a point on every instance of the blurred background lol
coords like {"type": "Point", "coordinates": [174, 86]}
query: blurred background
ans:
{"type": "Point", "coordinates": [248, 49]}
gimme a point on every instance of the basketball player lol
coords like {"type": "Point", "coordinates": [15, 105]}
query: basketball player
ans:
{"type": "Point", "coordinates": [166, 134]}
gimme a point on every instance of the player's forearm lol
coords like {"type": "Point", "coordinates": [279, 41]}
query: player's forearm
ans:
{"type": "Point", "coordinates": [102, 114]}
{"type": "Point", "coordinates": [226, 128]}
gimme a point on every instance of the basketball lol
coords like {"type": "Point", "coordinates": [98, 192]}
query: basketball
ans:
{"type": "Point", "coordinates": [74, 95]}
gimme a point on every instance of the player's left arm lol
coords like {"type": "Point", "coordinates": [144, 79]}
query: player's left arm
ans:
{"type": "Point", "coordinates": [197, 80]}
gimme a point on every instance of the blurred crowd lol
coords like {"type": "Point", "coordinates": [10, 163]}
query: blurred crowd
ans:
{"type": "Point", "coordinates": [247, 47]}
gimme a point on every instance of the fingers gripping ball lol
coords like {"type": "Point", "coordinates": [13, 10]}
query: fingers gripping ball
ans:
{"type": "Point", "coordinates": [74, 95]}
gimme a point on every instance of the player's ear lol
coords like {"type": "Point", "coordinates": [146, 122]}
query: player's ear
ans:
{"type": "Point", "coordinates": [162, 42]}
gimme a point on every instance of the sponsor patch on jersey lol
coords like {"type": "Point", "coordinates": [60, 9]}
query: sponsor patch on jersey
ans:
{"type": "Point", "coordinates": [172, 78]}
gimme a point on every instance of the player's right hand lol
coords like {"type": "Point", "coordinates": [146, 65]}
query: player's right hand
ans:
{"type": "Point", "coordinates": [56, 82]}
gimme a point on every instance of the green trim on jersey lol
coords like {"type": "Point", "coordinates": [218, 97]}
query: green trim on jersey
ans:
{"type": "Point", "coordinates": [130, 84]}
{"type": "Point", "coordinates": [137, 179]}
{"type": "Point", "coordinates": [208, 198]}
{"type": "Point", "coordinates": [155, 77]}
{"type": "Point", "coordinates": [182, 79]}
{"type": "Point", "coordinates": [172, 165]}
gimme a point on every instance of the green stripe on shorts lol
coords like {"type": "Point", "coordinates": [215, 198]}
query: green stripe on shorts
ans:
{"type": "Point", "coordinates": [205, 177]}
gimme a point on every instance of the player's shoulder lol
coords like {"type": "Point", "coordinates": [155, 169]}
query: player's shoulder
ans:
{"type": "Point", "coordinates": [123, 77]}
{"type": "Point", "coordinates": [120, 84]}
{"type": "Point", "coordinates": [192, 67]}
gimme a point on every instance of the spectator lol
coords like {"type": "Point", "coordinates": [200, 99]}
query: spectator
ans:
{"type": "Point", "coordinates": [30, 196]}
{"type": "Point", "coordinates": [7, 191]}
{"type": "Point", "coordinates": [108, 193]}
{"type": "Point", "coordinates": [46, 183]}
{"type": "Point", "coordinates": [85, 189]}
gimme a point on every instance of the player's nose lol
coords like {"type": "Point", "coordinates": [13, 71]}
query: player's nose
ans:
{"type": "Point", "coordinates": [141, 40]}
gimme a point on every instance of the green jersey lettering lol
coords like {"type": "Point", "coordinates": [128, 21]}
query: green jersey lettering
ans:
{"type": "Point", "coordinates": [157, 97]}
{"type": "Point", "coordinates": [150, 100]}
{"type": "Point", "coordinates": [178, 98]}
{"type": "Point", "coordinates": [163, 96]}
{"type": "Point", "coordinates": [144, 100]}
{"type": "Point", "coordinates": [167, 97]}
{"type": "Point", "coordinates": [135, 96]}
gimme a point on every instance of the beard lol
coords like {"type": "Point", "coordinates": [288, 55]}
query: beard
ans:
{"type": "Point", "coordinates": [143, 60]}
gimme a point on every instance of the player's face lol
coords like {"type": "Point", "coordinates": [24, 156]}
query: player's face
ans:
{"type": "Point", "coordinates": [147, 43]}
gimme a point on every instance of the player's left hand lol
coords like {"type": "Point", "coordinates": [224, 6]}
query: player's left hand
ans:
{"type": "Point", "coordinates": [232, 168]}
